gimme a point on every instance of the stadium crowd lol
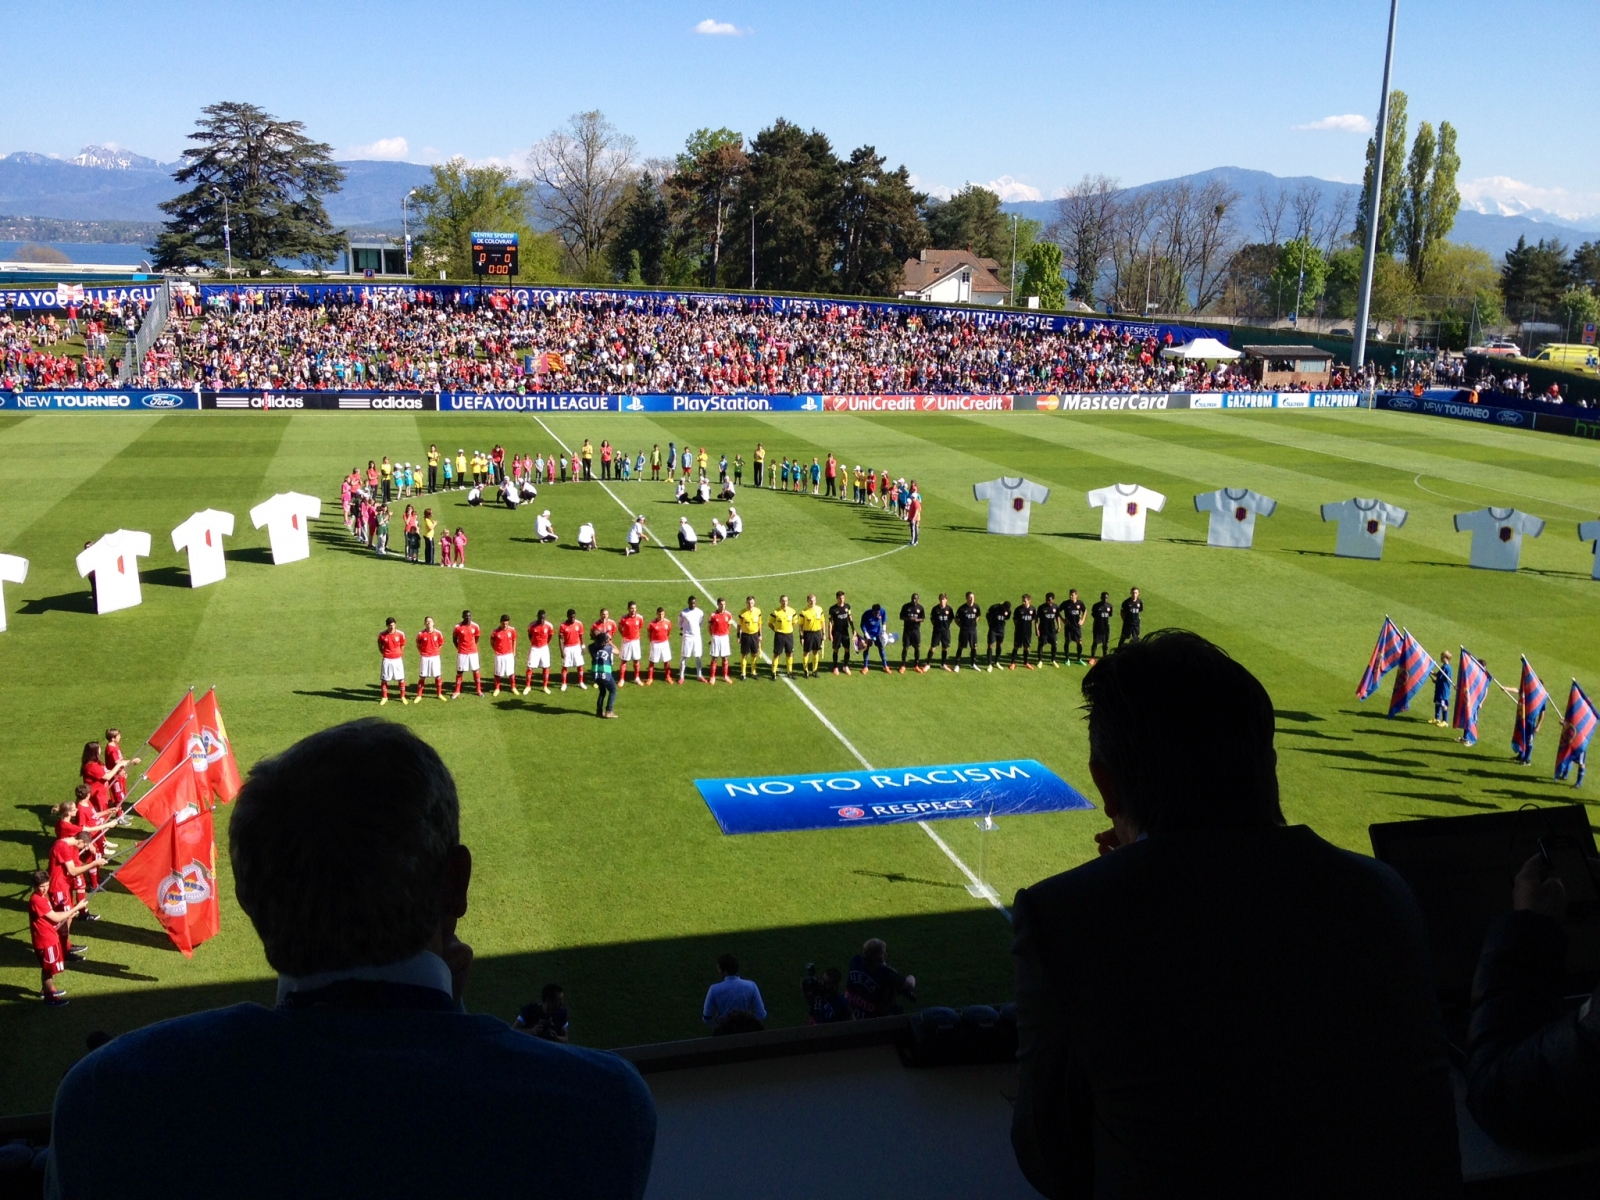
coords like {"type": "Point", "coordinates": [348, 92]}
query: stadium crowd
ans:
{"type": "Point", "coordinates": [601, 343]}
{"type": "Point", "coordinates": [30, 355]}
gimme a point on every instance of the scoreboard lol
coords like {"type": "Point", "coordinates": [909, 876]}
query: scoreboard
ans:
{"type": "Point", "coordinates": [494, 254]}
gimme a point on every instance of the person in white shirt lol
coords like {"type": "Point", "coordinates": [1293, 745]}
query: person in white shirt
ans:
{"type": "Point", "coordinates": [510, 494]}
{"type": "Point", "coordinates": [202, 536]}
{"type": "Point", "coordinates": [586, 538]}
{"type": "Point", "coordinates": [1362, 524]}
{"type": "Point", "coordinates": [636, 537]}
{"type": "Point", "coordinates": [704, 494]}
{"type": "Point", "coordinates": [543, 529]}
{"type": "Point", "coordinates": [719, 531]}
{"type": "Point", "coordinates": [735, 523]}
{"type": "Point", "coordinates": [686, 535]}
{"type": "Point", "coordinates": [1123, 508]}
{"type": "Point", "coordinates": [475, 495]}
{"type": "Point", "coordinates": [681, 492]}
{"type": "Point", "coordinates": [113, 561]}
{"type": "Point", "coordinates": [1233, 515]}
{"type": "Point", "coordinates": [1497, 536]}
{"type": "Point", "coordinates": [1011, 502]}
{"type": "Point", "coordinates": [689, 645]}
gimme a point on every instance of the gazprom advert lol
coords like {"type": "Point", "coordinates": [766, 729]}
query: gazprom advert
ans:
{"type": "Point", "coordinates": [839, 799]}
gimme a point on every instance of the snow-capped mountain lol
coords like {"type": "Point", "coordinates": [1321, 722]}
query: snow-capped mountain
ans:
{"type": "Point", "coordinates": [114, 158]}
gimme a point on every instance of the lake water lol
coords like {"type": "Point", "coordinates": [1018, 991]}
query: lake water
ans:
{"type": "Point", "coordinates": [86, 252]}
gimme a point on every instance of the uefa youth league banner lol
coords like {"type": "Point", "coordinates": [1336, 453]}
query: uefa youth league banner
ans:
{"type": "Point", "coordinates": [842, 799]}
{"type": "Point", "coordinates": [106, 400]}
{"type": "Point", "coordinates": [67, 294]}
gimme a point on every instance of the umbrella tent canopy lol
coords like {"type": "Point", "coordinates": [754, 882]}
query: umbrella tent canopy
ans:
{"type": "Point", "coordinates": [1201, 350]}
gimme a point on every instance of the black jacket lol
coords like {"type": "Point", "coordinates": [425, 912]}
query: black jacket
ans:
{"type": "Point", "coordinates": [1230, 1013]}
{"type": "Point", "coordinates": [1533, 1070]}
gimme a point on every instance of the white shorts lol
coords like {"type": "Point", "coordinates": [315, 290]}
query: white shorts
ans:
{"type": "Point", "coordinates": [430, 668]}
{"type": "Point", "coordinates": [630, 651]}
{"type": "Point", "coordinates": [721, 645]}
{"type": "Point", "coordinates": [466, 662]}
{"type": "Point", "coordinates": [660, 652]}
{"type": "Point", "coordinates": [572, 656]}
{"type": "Point", "coordinates": [394, 670]}
{"type": "Point", "coordinates": [505, 665]}
{"type": "Point", "coordinates": [539, 658]}
{"type": "Point", "coordinates": [689, 647]}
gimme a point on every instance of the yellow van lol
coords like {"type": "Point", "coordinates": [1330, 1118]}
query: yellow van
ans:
{"type": "Point", "coordinates": [1572, 355]}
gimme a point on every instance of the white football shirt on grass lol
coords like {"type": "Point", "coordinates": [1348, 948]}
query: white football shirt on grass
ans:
{"type": "Point", "coordinates": [1589, 531]}
{"type": "Point", "coordinates": [202, 536]}
{"type": "Point", "coordinates": [114, 563]}
{"type": "Point", "coordinates": [285, 516]}
{"type": "Point", "coordinates": [1362, 524]}
{"type": "Point", "coordinates": [1011, 503]}
{"type": "Point", "coordinates": [12, 570]}
{"type": "Point", "coordinates": [1123, 507]}
{"type": "Point", "coordinates": [1233, 515]}
{"type": "Point", "coordinates": [1497, 536]}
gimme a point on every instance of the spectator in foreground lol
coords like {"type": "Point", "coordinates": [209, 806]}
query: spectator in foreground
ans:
{"type": "Point", "coordinates": [548, 1018]}
{"type": "Point", "coordinates": [368, 1077]}
{"type": "Point", "coordinates": [874, 987]}
{"type": "Point", "coordinates": [1221, 1004]}
{"type": "Point", "coordinates": [825, 1005]}
{"type": "Point", "coordinates": [1533, 1059]}
{"type": "Point", "coordinates": [734, 1005]}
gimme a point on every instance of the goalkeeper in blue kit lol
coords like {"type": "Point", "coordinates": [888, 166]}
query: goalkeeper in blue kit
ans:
{"type": "Point", "coordinates": [874, 632]}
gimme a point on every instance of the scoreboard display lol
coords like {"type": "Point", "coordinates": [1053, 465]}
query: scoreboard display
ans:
{"type": "Point", "coordinates": [494, 254]}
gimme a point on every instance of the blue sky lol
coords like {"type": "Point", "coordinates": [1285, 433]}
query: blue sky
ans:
{"type": "Point", "coordinates": [1027, 96]}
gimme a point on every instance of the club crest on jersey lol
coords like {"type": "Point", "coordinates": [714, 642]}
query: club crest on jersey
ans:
{"type": "Point", "coordinates": [1505, 533]}
{"type": "Point", "coordinates": [1240, 513]}
{"type": "Point", "coordinates": [1016, 503]}
{"type": "Point", "coordinates": [1372, 525]}
{"type": "Point", "coordinates": [1133, 508]}
{"type": "Point", "coordinates": [196, 882]}
{"type": "Point", "coordinates": [170, 896]}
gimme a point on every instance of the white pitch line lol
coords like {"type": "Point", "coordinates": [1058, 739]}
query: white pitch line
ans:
{"type": "Point", "coordinates": [982, 889]}
{"type": "Point", "coordinates": [1421, 475]}
{"type": "Point", "coordinates": [854, 562]}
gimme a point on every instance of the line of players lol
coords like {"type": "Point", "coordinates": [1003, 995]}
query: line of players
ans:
{"type": "Point", "coordinates": [1035, 630]}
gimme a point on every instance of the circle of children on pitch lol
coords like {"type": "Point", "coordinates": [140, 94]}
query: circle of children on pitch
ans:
{"type": "Point", "coordinates": [366, 496]}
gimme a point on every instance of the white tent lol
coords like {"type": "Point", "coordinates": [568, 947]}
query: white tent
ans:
{"type": "Point", "coordinates": [1202, 349]}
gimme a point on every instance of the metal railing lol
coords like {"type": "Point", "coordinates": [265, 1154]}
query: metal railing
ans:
{"type": "Point", "coordinates": [151, 326]}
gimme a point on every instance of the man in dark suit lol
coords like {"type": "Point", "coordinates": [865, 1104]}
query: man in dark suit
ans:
{"type": "Point", "coordinates": [368, 1078]}
{"type": "Point", "coordinates": [1221, 1004]}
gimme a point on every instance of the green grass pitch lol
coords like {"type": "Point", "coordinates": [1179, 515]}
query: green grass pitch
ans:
{"type": "Point", "coordinates": [597, 863]}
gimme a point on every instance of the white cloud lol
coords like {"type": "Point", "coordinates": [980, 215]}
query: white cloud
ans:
{"type": "Point", "coordinates": [1344, 123]}
{"type": "Point", "coordinates": [711, 28]}
{"type": "Point", "coordinates": [1006, 187]}
{"type": "Point", "coordinates": [391, 149]}
{"type": "Point", "coordinates": [1510, 197]}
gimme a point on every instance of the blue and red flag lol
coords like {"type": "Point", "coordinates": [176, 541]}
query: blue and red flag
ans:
{"type": "Point", "coordinates": [1385, 658]}
{"type": "Point", "coordinates": [1471, 687]}
{"type": "Point", "coordinates": [1416, 668]}
{"type": "Point", "coordinates": [1576, 731]}
{"type": "Point", "coordinates": [1532, 700]}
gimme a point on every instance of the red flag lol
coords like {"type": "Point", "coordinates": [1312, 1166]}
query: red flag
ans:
{"type": "Point", "coordinates": [222, 769]}
{"type": "Point", "coordinates": [175, 719]}
{"type": "Point", "coordinates": [174, 873]}
{"type": "Point", "coordinates": [179, 788]}
{"type": "Point", "coordinates": [177, 750]}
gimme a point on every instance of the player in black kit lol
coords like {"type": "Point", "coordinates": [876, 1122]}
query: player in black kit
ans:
{"type": "Point", "coordinates": [941, 616]}
{"type": "Point", "coordinates": [1101, 636]}
{"type": "Point", "coordinates": [912, 615]}
{"type": "Point", "coordinates": [1072, 613]}
{"type": "Point", "coordinates": [967, 617]}
{"type": "Point", "coordinates": [841, 629]}
{"type": "Point", "coordinates": [1132, 609]}
{"type": "Point", "coordinates": [998, 616]}
{"type": "Point", "coordinates": [1049, 628]}
{"type": "Point", "coordinates": [1022, 619]}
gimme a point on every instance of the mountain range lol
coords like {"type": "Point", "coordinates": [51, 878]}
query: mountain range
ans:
{"type": "Point", "coordinates": [103, 183]}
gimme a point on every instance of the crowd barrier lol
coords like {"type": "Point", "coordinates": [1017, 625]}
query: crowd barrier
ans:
{"type": "Point", "coordinates": [1071, 404]}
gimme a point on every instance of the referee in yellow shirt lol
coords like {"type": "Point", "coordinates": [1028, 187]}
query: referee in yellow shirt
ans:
{"type": "Point", "coordinates": [749, 638]}
{"type": "Point", "coordinates": [782, 624]}
{"type": "Point", "coordinates": [811, 622]}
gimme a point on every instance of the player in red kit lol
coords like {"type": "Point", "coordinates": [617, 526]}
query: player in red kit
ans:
{"type": "Point", "coordinates": [720, 622]}
{"type": "Point", "coordinates": [466, 635]}
{"type": "Point", "coordinates": [429, 642]}
{"type": "Point", "coordinates": [47, 927]}
{"type": "Point", "coordinates": [603, 625]}
{"type": "Point", "coordinates": [539, 635]}
{"type": "Point", "coordinates": [660, 647]}
{"type": "Point", "coordinates": [67, 862]}
{"type": "Point", "coordinates": [117, 781]}
{"type": "Point", "coordinates": [503, 641]}
{"type": "Point", "coordinates": [391, 651]}
{"type": "Point", "coordinates": [571, 633]}
{"type": "Point", "coordinates": [631, 626]}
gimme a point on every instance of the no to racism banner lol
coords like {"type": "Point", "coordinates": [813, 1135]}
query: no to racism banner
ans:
{"type": "Point", "coordinates": [841, 799]}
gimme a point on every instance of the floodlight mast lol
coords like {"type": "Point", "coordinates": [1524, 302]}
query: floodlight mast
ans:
{"type": "Point", "coordinates": [1358, 351]}
{"type": "Point", "coordinates": [227, 237]}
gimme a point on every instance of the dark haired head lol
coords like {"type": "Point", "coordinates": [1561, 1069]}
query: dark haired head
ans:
{"type": "Point", "coordinates": [1184, 735]}
{"type": "Point", "coordinates": [728, 964]}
